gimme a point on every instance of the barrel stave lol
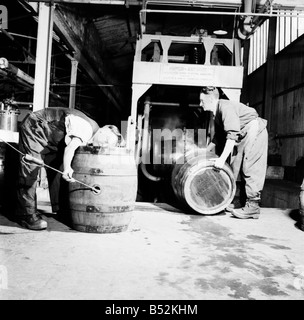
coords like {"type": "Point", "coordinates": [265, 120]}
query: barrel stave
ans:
{"type": "Point", "coordinates": [201, 187]}
{"type": "Point", "coordinates": [115, 176]}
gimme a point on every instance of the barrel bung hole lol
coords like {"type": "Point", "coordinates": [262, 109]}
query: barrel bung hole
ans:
{"type": "Point", "coordinates": [96, 189]}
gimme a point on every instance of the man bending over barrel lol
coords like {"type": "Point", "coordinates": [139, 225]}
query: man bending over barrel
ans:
{"type": "Point", "coordinates": [241, 133]}
{"type": "Point", "coordinates": [51, 136]}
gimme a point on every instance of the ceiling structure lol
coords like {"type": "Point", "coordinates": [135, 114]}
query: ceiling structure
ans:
{"type": "Point", "coordinates": [101, 35]}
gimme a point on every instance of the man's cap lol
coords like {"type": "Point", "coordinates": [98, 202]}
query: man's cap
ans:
{"type": "Point", "coordinates": [208, 90]}
{"type": "Point", "coordinates": [108, 135]}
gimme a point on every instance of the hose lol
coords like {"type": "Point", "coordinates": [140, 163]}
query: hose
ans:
{"type": "Point", "coordinates": [39, 162]}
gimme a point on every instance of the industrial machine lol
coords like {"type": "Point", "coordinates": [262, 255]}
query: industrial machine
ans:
{"type": "Point", "coordinates": [167, 130]}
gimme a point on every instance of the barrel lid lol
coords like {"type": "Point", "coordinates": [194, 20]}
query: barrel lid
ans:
{"type": "Point", "coordinates": [209, 191]}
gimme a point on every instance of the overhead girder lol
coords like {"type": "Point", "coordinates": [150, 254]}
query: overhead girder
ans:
{"type": "Point", "coordinates": [67, 29]}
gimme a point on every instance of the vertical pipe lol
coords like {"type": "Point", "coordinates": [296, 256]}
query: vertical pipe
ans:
{"type": "Point", "coordinates": [248, 6]}
{"type": "Point", "coordinates": [73, 81]}
{"type": "Point", "coordinates": [43, 56]}
{"type": "Point", "coordinates": [146, 144]}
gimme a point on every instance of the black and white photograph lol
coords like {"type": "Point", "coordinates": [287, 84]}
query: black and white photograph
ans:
{"type": "Point", "coordinates": [152, 153]}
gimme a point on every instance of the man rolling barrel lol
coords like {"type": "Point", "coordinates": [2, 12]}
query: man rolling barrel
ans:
{"type": "Point", "coordinates": [241, 133]}
{"type": "Point", "coordinates": [51, 136]}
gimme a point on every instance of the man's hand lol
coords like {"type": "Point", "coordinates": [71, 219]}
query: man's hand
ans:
{"type": "Point", "coordinates": [211, 148]}
{"type": "Point", "coordinates": [218, 163]}
{"type": "Point", "coordinates": [67, 175]}
{"type": "Point", "coordinates": [68, 155]}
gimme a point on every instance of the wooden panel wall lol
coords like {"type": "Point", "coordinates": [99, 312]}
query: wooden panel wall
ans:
{"type": "Point", "coordinates": [255, 90]}
{"type": "Point", "coordinates": [286, 118]}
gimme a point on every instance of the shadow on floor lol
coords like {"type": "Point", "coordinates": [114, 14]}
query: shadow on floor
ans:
{"type": "Point", "coordinates": [56, 222]}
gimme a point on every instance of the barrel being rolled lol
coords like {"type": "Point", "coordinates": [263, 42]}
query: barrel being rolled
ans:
{"type": "Point", "coordinates": [199, 185]}
{"type": "Point", "coordinates": [113, 174]}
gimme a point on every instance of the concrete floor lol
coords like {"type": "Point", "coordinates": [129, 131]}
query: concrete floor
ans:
{"type": "Point", "coordinates": [164, 254]}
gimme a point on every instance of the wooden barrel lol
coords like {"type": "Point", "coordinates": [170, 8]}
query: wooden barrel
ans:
{"type": "Point", "coordinates": [113, 173]}
{"type": "Point", "coordinates": [199, 185]}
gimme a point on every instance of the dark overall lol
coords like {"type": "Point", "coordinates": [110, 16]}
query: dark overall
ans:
{"type": "Point", "coordinates": [42, 136]}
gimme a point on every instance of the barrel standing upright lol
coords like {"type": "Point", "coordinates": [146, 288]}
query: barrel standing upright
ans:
{"type": "Point", "coordinates": [113, 174]}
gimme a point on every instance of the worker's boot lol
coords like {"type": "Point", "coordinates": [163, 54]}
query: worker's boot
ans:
{"type": "Point", "coordinates": [301, 220]}
{"type": "Point", "coordinates": [33, 222]}
{"type": "Point", "coordinates": [301, 210]}
{"type": "Point", "coordinates": [235, 204]}
{"type": "Point", "coordinates": [251, 210]}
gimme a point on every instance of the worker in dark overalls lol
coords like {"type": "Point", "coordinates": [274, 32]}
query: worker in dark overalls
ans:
{"type": "Point", "coordinates": [52, 135]}
{"type": "Point", "coordinates": [241, 134]}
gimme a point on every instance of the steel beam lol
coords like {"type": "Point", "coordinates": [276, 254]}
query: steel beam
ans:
{"type": "Point", "coordinates": [74, 69]}
{"type": "Point", "coordinates": [69, 31]}
{"type": "Point", "coordinates": [43, 56]}
{"type": "Point", "coordinates": [104, 2]}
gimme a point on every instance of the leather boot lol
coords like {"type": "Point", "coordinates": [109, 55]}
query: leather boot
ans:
{"type": "Point", "coordinates": [251, 210]}
{"type": "Point", "coordinates": [235, 204]}
{"type": "Point", "coordinates": [301, 221]}
{"type": "Point", "coordinates": [33, 222]}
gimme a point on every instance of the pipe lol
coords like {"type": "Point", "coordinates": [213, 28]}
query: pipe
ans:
{"type": "Point", "coordinates": [6, 69]}
{"type": "Point", "coordinates": [139, 144]}
{"type": "Point", "coordinates": [249, 5]}
{"type": "Point", "coordinates": [146, 147]}
{"type": "Point", "coordinates": [11, 69]}
{"type": "Point", "coordinates": [187, 3]}
{"type": "Point", "coordinates": [102, 2]}
{"type": "Point", "coordinates": [7, 34]}
{"type": "Point", "coordinates": [147, 174]}
{"type": "Point", "coordinates": [146, 143]}
{"type": "Point", "coordinates": [246, 25]}
{"type": "Point", "coordinates": [225, 13]}
{"type": "Point", "coordinates": [252, 21]}
{"type": "Point", "coordinates": [19, 81]}
{"type": "Point", "coordinates": [172, 104]}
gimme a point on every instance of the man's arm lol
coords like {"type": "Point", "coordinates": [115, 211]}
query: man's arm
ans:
{"type": "Point", "coordinates": [229, 145]}
{"type": "Point", "coordinates": [211, 146]}
{"type": "Point", "coordinates": [68, 156]}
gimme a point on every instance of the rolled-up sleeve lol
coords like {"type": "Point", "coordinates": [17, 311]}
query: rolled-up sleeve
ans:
{"type": "Point", "coordinates": [77, 127]}
{"type": "Point", "coordinates": [231, 122]}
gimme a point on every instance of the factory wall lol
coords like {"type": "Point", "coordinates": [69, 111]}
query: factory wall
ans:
{"type": "Point", "coordinates": [285, 113]}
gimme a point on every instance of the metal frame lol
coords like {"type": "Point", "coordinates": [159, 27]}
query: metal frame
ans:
{"type": "Point", "coordinates": [43, 56]}
{"type": "Point", "coordinates": [146, 74]}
